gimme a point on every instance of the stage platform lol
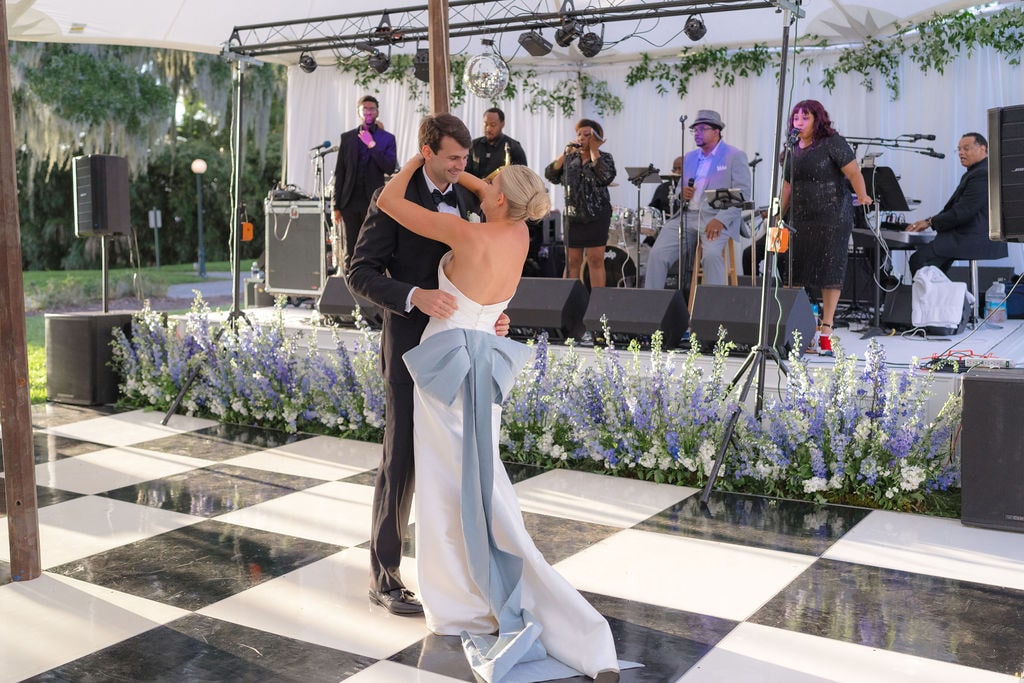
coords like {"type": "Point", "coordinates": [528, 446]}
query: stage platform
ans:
{"type": "Point", "coordinates": [989, 344]}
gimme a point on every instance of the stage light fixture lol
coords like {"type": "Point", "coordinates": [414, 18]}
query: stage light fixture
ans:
{"type": "Point", "coordinates": [534, 43]}
{"type": "Point", "coordinates": [385, 24]}
{"type": "Point", "coordinates": [307, 62]}
{"type": "Point", "coordinates": [590, 43]}
{"type": "Point", "coordinates": [694, 27]}
{"type": "Point", "coordinates": [421, 64]}
{"type": "Point", "coordinates": [567, 32]}
{"type": "Point", "coordinates": [379, 61]}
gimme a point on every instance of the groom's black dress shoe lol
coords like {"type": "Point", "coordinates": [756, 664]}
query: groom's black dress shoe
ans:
{"type": "Point", "coordinates": [400, 601]}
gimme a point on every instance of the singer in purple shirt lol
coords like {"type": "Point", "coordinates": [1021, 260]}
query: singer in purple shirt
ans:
{"type": "Point", "coordinates": [366, 156]}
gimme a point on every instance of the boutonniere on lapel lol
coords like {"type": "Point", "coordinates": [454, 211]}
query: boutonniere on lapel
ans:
{"type": "Point", "coordinates": [472, 217]}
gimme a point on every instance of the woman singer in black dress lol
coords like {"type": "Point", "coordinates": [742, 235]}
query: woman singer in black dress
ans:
{"type": "Point", "coordinates": [815, 191]}
{"type": "Point", "coordinates": [586, 172]}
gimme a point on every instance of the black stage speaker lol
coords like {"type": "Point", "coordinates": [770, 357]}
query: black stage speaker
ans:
{"type": "Point", "coordinates": [992, 449]}
{"type": "Point", "coordinates": [638, 313]}
{"type": "Point", "coordinates": [1006, 173]}
{"type": "Point", "coordinates": [101, 195]}
{"type": "Point", "coordinates": [78, 356]}
{"type": "Point", "coordinates": [338, 302]}
{"type": "Point", "coordinates": [551, 305]}
{"type": "Point", "coordinates": [738, 310]}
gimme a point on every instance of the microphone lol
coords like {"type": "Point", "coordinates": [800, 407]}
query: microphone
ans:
{"type": "Point", "coordinates": [682, 119]}
{"type": "Point", "coordinates": [329, 150]}
{"type": "Point", "coordinates": [794, 135]}
{"type": "Point", "coordinates": [689, 183]}
{"type": "Point", "coordinates": [936, 155]}
{"type": "Point", "coordinates": [921, 136]}
{"type": "Point", "coordinates": [322, 145]}
{"type": "Point", "coordinates": [757, 159]}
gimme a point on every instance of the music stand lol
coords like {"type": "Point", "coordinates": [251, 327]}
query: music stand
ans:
{"type": "Point", "coordinates": [884, 189]}
{"type": "Point", "coordinates": [640, 176]}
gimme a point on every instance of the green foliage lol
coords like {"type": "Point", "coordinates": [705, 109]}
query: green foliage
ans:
{"type": "Point", "coordinates": [725, 65]}
{"type": "Point", "coordinates": [562, 98]}
{"type": "Point", "coordinates": [932, 45]}
{"type": "Point", "coordinates": [92, 90]}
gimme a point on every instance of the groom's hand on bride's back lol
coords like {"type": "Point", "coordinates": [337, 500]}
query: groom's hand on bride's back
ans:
{"type": "Point", "coordinates": [434, 302]}
{"type": "Point", "coordinates": [501, 325]}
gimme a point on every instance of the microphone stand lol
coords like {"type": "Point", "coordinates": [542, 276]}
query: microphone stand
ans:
{"type": "Point", "coordinates": [683, 206]}
{"type": "Point", "coordinates": [758, 357]}
{"type": "Point", "coordinates": [899, 143]}
{"type": "Point", "coordinates": [753, 202]}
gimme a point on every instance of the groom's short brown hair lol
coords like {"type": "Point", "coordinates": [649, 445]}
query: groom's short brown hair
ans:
{"type": "Point", "coordinates": [435, 127]}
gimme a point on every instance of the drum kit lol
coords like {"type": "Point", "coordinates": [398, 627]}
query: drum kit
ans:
{"type": "Point", "coordinates": [630, 237]}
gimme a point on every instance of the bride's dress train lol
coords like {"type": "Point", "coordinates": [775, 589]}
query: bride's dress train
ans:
{"type": "Point", "coordinates": [478, 578]}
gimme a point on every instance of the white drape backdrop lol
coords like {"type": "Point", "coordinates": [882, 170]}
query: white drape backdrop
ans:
{"type": "Point", "coordinates": [323, 104]}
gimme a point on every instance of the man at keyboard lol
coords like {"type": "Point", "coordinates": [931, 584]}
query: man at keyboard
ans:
{"type": "Point", "coordinates": [962, 225]}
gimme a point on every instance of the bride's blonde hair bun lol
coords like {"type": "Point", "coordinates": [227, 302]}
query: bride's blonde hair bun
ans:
{"type": "Point", "coordinates": [525, 193]}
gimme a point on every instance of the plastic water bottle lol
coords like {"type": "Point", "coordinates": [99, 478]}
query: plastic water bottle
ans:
{"type": "Point", "coordinates": [255, 270]}
{"type": "Point", "coordinates": [995, 306]}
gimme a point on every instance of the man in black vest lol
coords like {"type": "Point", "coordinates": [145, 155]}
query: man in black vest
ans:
{"type": "Point", "coordinates": [366, 156]}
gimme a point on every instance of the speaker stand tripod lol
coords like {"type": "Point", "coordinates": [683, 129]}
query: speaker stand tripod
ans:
{"type": "Point", "coordinates": [758, 357]}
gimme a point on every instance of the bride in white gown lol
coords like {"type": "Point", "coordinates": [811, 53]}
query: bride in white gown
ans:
{"type": "Point", "coordinates": [480, 574]}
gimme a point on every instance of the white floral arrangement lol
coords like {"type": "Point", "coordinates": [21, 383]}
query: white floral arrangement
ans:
{"type": "Point", "coordinates": [472, 217]}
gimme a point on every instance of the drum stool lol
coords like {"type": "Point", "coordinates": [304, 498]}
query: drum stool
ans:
{"type": "Point", "coordinates": [698, 272]}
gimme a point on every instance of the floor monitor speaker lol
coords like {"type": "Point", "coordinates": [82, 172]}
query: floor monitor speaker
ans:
{"type": "Point", "coordinates": [992, 449]}
{"type": "Point", "coordinates": [738, 310]}
{"type": "Point", "coordinates": [78, 356]}
{"type": "Point", "coordinates": [638, 313]}
{"type": "Point", "coordinates": [100, 186]}
{"type": "Point", "coordinates": [552, 305]}
{"type": "Point", "coordinates": [339, 303]}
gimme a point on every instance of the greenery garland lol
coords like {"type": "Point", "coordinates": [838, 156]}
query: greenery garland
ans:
{"type": "Point", "coordinates": [562, 98]}
{"type": "Point", "coordinates": [932, 44]}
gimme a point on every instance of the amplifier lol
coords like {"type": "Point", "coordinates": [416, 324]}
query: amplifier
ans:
{"type": "Point", "coordinates": [296, 248]}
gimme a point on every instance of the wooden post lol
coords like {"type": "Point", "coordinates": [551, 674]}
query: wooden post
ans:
{"type": "Point", "coordinates": [437, 41]}
{"type": "Point", "coordinates": [15, 401]}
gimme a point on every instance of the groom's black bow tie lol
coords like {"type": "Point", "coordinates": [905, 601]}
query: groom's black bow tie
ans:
{"type": "Point", "coordinates": [448, 198]}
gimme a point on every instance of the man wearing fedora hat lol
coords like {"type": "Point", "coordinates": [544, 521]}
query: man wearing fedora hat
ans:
{"type": "Point", "coordinates": [713, 165]}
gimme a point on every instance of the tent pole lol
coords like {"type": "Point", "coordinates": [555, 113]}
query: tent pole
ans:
{"type": "Point", "coordinates": [437, 40]}
{"type": "Point", "coordinates": [15, 399]}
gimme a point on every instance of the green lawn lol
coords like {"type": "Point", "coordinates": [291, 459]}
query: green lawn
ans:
{"type": "Point", "coordinates": [47, 289]}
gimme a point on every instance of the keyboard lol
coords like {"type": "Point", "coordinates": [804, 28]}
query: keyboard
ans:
{"type": "Point", "coordinates": [900, 237]}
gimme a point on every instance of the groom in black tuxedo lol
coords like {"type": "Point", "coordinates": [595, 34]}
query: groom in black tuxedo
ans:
{"type": "Point", "coordinates": [397, 270]}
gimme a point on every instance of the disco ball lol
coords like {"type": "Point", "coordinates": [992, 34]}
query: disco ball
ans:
{"type": "Point", "coordinates": [486, 75]}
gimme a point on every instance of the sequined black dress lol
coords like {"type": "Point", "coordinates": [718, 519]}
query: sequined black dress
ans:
{"type": "Point", "coordinates": [821, 211]}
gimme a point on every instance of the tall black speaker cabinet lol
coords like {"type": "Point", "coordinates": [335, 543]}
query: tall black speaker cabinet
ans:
{"type": "Point", "coordinates": [992, 449]}
{"type": "Point", "coordinates": [78, 356]}
{"type": "Point", "coordinates": [1006, 173]}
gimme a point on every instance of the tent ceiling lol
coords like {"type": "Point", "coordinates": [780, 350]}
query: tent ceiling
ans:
{"type": "Point", "coordinates": [205, 26]}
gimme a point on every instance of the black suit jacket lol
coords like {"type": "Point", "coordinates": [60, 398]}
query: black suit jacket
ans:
{"type": "Point", "coordinates": [383, 159]}
{"type": "Point", "coordinates": [389, 261]}
{"type": "Point", "coordinates": [962, 225]}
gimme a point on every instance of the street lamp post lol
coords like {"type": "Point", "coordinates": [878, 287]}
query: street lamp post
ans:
{"type": "Point", "coordinates": [199, 168]}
